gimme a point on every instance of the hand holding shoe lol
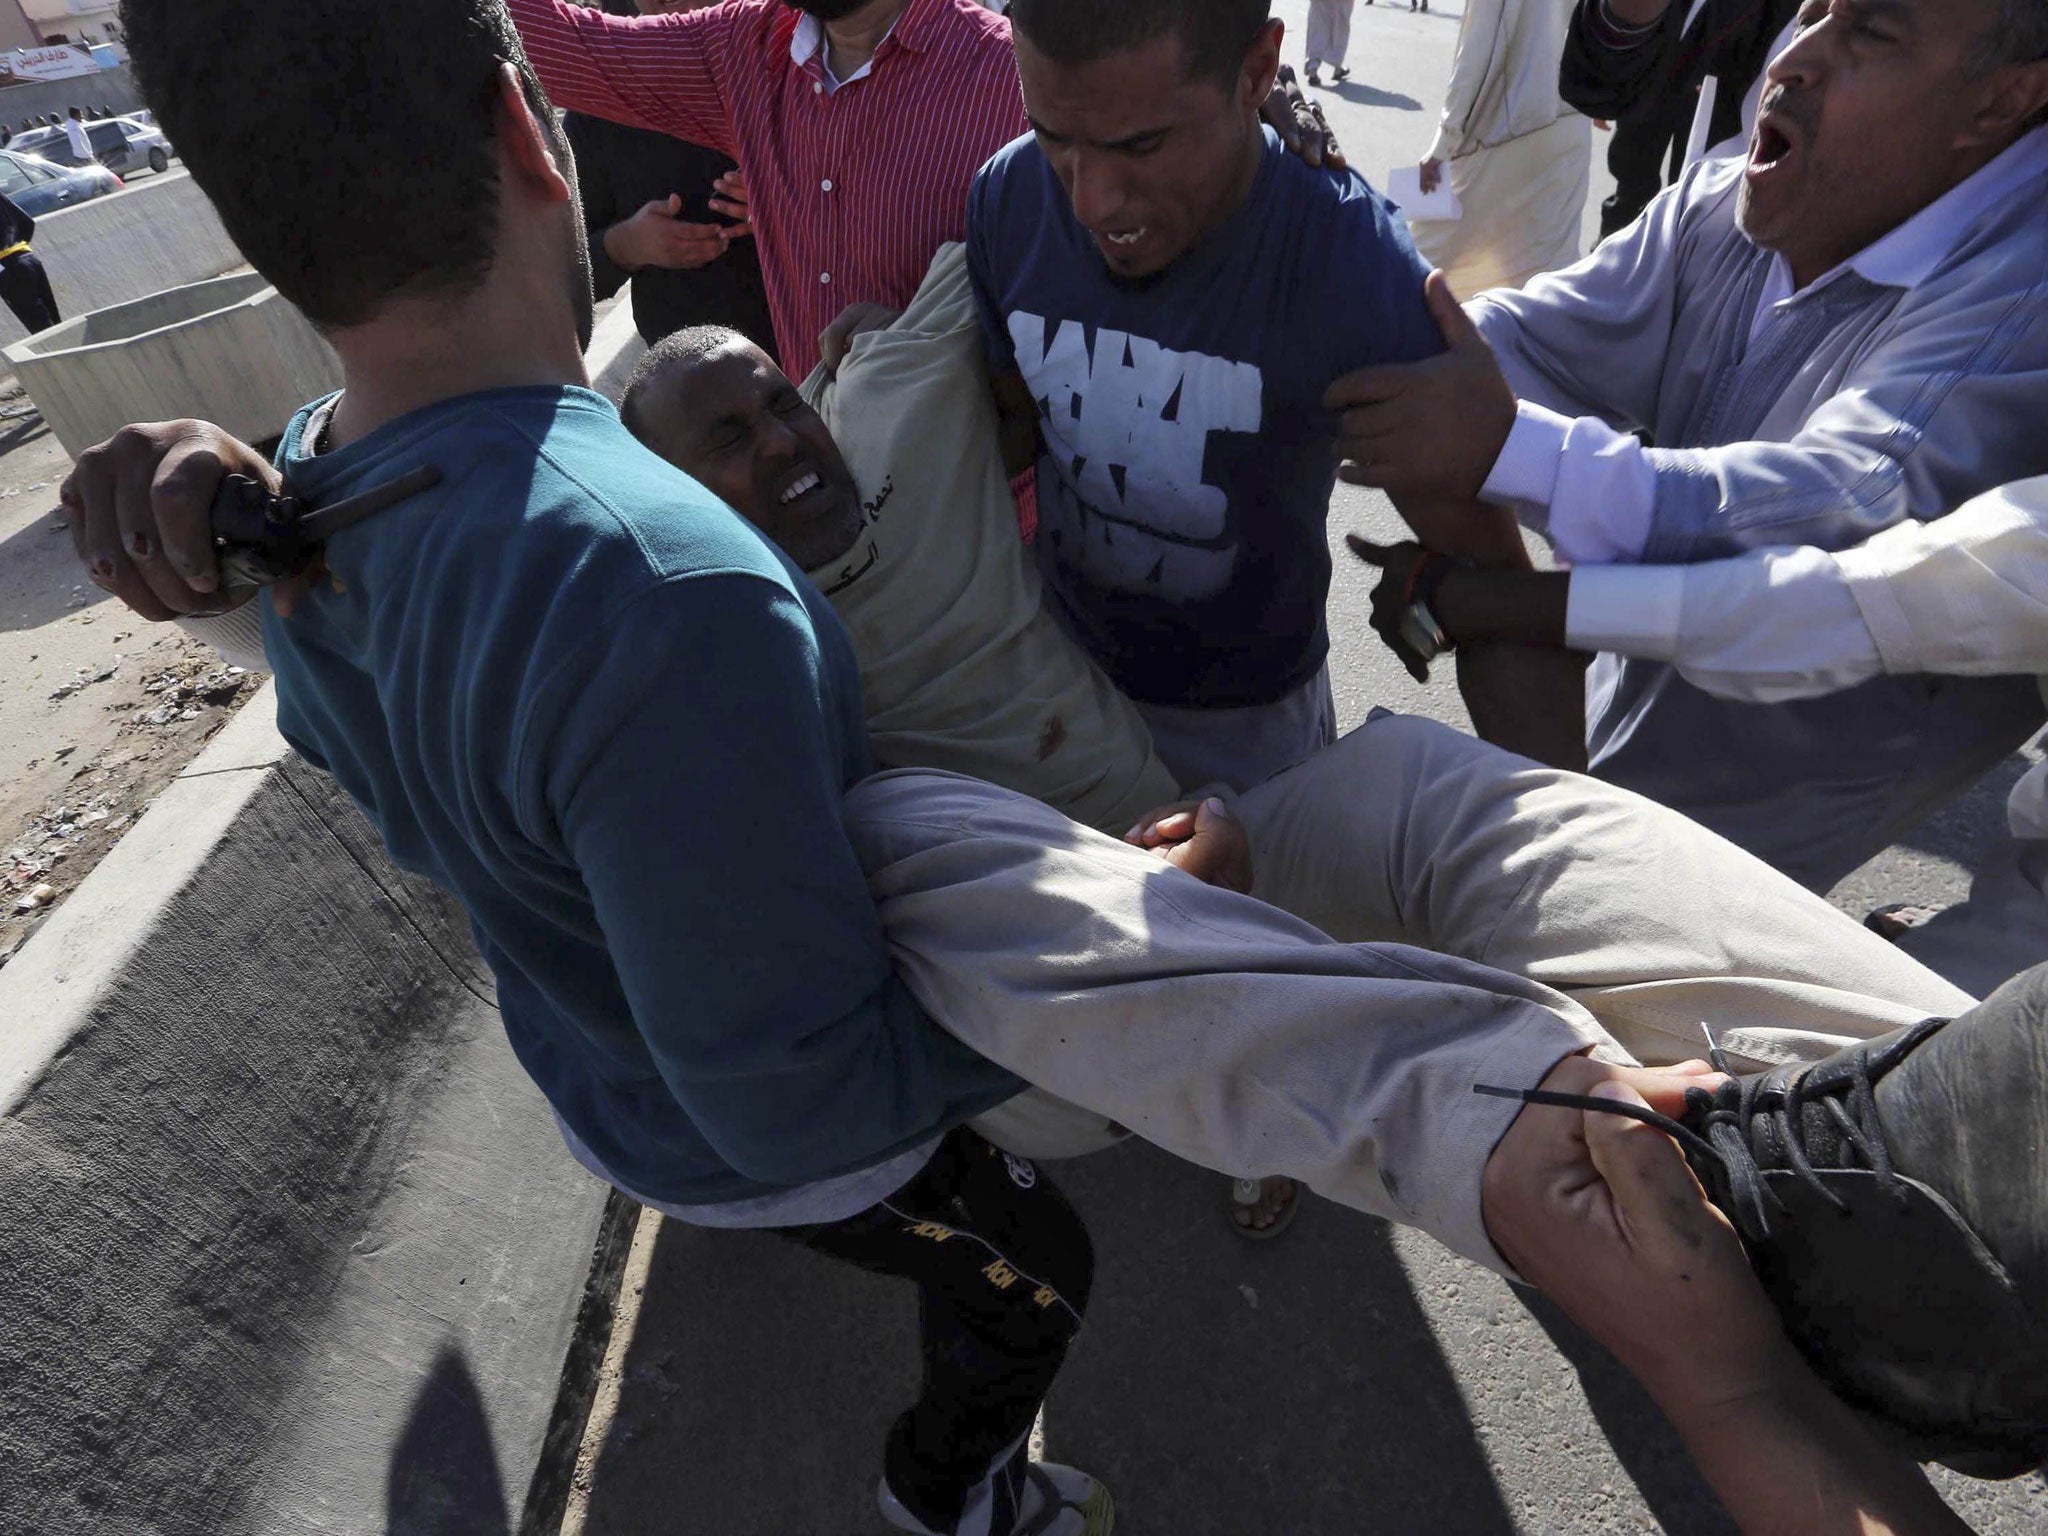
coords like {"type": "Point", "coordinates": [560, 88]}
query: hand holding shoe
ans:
{"type": "Point", "coordinates": [1602, 1214]}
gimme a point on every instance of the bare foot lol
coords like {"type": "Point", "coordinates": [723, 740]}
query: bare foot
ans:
{"type": "Point", "coordinates": [1262, 1208]}
{"type": "Point", "coordinates": [1901, 918]}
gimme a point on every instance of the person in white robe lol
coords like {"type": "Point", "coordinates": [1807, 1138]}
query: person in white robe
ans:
{"type": "Point", "coordinates": [1329, 37]}
{"type": "Point", "coordinates": [1518, 159]}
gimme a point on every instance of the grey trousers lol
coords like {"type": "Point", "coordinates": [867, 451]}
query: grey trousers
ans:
{"type": "Point", "coordinates": [1510, 915]}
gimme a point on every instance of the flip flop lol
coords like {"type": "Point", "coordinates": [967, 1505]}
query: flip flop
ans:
{"type": "Point", "coordinates": [1097, 1510]}
{"type": "Point", "coordinates": [1246, 1194]}
{"type": "Point", "coordinates": [1895, 921]}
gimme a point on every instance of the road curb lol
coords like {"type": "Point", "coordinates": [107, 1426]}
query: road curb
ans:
{"type": "Point", "coordinates": [290, 1241]}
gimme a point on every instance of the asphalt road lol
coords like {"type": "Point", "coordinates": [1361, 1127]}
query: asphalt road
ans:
{"type": "Point", "coordinates": [1351, 1378]}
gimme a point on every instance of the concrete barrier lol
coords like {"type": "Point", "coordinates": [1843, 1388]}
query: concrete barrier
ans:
{"type": "Point", "coordinates": [161, 232]}
{"type": "Point", "coordinates": [230, 349]}
{"type": "Point", "coordinates": [288, 1242]}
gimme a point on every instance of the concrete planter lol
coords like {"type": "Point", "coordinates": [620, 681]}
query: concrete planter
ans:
{"type": "Point", "coordinates": [230, 350]}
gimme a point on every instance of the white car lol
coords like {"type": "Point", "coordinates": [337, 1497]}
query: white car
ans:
{"type": "Point", "coordinates": [124, 145]}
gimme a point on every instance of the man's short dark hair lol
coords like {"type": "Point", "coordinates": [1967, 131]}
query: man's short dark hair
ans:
{"type": "Point", "coordinates": [689, 345]}
{"type": "Point", "coordinates": [349, 145]}
{"type": "Point", "coordinates": [1215, 34]}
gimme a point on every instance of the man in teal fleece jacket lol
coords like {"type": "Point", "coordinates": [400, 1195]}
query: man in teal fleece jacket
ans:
{"type": "Point", "coordinates": [572, 687]}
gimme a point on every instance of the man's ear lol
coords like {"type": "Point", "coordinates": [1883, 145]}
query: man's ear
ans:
{"type": "Point", "coordinates": [1261, 66]}
{"type": "Point", "coordinates": [535, 149]}
{"type": "Point", "coordinates": [2015, 99]}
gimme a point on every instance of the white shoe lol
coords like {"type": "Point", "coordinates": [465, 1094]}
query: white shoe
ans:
{"type": "Point", "coordinates": [1057, 1501]}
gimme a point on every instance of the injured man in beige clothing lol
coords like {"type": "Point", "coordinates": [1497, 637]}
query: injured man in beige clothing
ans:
{"type": "Point", "coordinates": [889, 492]}
{"type": "Point", "coordinates": [1576, 915]}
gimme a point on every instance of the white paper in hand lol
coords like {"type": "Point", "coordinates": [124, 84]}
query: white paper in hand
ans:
{"type": "Point", "coordinates": [1404, 188]}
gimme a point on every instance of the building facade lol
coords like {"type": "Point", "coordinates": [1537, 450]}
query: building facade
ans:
{"type": "Point", "coordinates": [63, 21]}
{"type": "Point", "coordinates": [16, 30]}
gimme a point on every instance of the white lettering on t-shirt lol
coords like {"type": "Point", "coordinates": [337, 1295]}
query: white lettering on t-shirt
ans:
{"type": "Point", "coordinates": [1127, 429]}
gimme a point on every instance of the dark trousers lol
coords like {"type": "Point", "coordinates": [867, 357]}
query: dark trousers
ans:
{"type": "Point", "coordinates": [1003, 1268]}
{"type": "Point", "coordinates": [25, 289]}
{"type": "Point", "coordinates": [1642, 142]}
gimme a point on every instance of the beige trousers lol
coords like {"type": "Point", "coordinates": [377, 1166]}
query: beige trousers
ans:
{"type": "Point", "coordinates": [1329, 31]}
{"type": "Point", "coordinates": [1559, 914]}
{"type": "Point", "coordinates": [1411, 832]}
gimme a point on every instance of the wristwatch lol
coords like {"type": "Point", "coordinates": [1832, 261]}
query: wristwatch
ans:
{"type": "Point", "coordinates": [1420, 628]}
{"type": "Point", "coordinates": [1422, 633]}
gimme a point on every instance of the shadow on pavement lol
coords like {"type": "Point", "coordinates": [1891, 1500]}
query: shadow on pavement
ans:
{"type": "Point", "coordinates": [1358, 93]}
{"type": "Point", "coordinates": [1220, 1388]}
{"type": "Point", "coordinates": [22, 430]}
{"type": "Point", "coordinates": [444, 1478]}
{"type": "Point", "coordinates": [1966, 828]}
{"type": "Point", "coordinates": [1931, 864]}
{"type": "Point", "coordinates": [40, 577]}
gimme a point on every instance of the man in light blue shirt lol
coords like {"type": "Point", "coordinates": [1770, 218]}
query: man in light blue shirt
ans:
{"type": "Point", "coordinates": [1847, 330]}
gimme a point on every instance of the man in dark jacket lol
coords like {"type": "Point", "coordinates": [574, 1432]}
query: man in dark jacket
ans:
{"type": "Point", "coordinates": [1643, 143]}
{"type": "Point", "coordinates": [1631, 59]}
{"type": "Point", "coordinates": [647, 202]}
{"type": "Point", "coordinates": [24, 286]}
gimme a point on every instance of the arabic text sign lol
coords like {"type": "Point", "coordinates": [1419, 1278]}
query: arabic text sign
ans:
{"type": "Point", "coordinates": [59, 62]}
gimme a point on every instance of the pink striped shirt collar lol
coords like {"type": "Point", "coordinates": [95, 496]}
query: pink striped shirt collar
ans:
{"type": "Point", "coordinates": [911, 31]}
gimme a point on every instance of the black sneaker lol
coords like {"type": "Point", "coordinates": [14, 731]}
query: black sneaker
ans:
{"type": "Point", "coordinates": [1894, 1202]}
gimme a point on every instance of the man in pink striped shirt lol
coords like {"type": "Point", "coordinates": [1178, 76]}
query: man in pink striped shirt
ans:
{"type": "Point", "coordinates": [860, 125]}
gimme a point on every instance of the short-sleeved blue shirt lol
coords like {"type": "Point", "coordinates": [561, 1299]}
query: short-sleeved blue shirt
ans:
{"type": "Point", "coordinates": [1185, 479]}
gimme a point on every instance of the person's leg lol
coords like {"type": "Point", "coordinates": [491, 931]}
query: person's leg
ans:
{"type": "Point", "coordinates": [1318, 39]}
{"type": "Point", "coordinates": [25, 289]}
{"type": "Point", "coordinates": [1635, 155]}
{"type": "Point", "coordinates": [1211, 1024]}
{"type": "Point", "coordinates": [1409, 831]}
{"type": "Point", "coordinates": [45, 298]}
{"type": "Point", "coordinates": [1003, 1267]}
{"type": "Point", "coordinates": [1207, 749]}
{"type": "Point", "coordinates": [1340, 37]}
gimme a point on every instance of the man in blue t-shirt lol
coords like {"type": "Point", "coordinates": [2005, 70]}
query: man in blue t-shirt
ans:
{"type": "Point", "coordinates": [1167, 294]}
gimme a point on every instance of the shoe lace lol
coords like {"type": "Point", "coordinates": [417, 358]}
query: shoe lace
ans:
{"type": "Point", "coordinates": [1718, 1140]}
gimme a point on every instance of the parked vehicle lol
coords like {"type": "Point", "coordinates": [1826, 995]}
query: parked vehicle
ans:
{"type": "Point", "coordinates": [121, 144]}
{"type": "Point", "coordinates": [38, 187]}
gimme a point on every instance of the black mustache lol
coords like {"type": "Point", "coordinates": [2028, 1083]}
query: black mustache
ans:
{"type": "Point", "coordinates": [1798, 109]}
